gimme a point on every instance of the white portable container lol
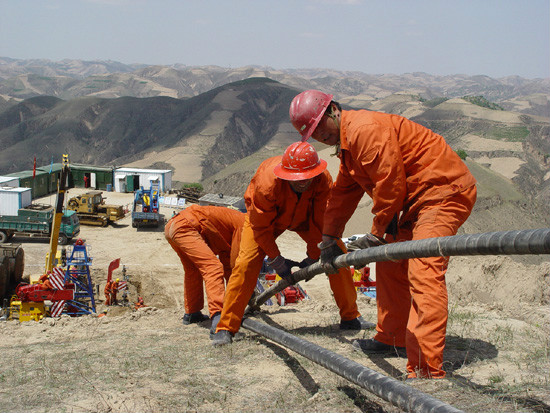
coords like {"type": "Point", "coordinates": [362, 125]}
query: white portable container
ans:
{"type": "Point", "coordinates": [13, 199]}
{"type": "Point", "coordinates": [9, 181]}
{"type": "Point", "coordinates": [131, 179]}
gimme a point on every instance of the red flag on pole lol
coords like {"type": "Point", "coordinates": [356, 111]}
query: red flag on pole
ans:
{"type": "Point", "coordinates": [113, 266]}
{"type": "Point", "coordinates": [34, 168]}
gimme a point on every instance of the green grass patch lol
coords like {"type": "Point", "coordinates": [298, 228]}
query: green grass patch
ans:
{"type": "Point", "coordinates": [496, 378]}
{"type": "Point", "coordinates": [508, 133]}
{"type": "Point", "coordinates": [193, 185]}
{"type": "Point", "coordinates": [462, 154]}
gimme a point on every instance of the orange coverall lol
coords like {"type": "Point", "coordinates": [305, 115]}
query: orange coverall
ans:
{"type": "Point", "coordinates": [139, 303]}
{"type": "Point", "coordinates": [406, 169]}
{"type": "Point", "coordinates": [114, 292]}
{"type": "Point", "coordinates": [107, 292]}
{"type": "Point", "coordinates": [198, 234]}
{"type": "Point", "coordinates": [272, 208]}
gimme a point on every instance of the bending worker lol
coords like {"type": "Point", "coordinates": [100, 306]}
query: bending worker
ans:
{"type": "Point", "coordinates": [199, 234]}
{"type": "Point", "coordinates": [287, 192]}
{"type": "Point", "coordinates": [420, 189]}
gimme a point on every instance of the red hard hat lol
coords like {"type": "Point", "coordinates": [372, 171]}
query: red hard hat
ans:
{"type": "Point", "coordinates": [300, 161]}
{"type": "Point", "coordinates": [306, 110]}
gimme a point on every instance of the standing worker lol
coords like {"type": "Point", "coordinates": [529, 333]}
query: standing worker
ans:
{"type": "Point", "coordinates": [198, 234]}
{"type": "Point", "coordinates": [107, 292]}
{"type": "Point", "coordinates": [287, 192]}
{"type": "Point", "coordinates": [114, 291]}
{"type": "Point", "coordinates": [410, 171]}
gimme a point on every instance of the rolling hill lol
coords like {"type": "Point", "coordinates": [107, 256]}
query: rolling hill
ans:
{"type": "Point", "coordinates": [215, 128]}
{"type": "Point", "coordinates": [68, 79]}
{"type": "Point", "coordinates": [220, 136]}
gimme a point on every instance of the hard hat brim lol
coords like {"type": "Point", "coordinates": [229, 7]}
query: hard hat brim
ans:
{"type": "Point", "coordinates": [289, 175]}
{"type": "Point", "coordinates": [309, 131]}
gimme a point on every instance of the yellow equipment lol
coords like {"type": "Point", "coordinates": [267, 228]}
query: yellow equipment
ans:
{"type": "Point", "coordinates": [59, 260]}
{"type": "Point", "coordinates": [29, 311]}
{"type": "Point", "coordinates": [92, 210]}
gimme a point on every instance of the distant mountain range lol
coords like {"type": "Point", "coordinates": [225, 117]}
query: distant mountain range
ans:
{"type": "Point", "coordinates": [68, 79]}
{"type": "Point", "coordinates": [214, 125]}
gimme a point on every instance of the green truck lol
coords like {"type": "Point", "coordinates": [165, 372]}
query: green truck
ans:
{"type": "Point", "coordinates": [36, 220]}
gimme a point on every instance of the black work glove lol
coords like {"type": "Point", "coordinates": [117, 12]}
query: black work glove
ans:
{"type": "Point", "coordinates": [366, 241]}
{"type": "Point", "coordinates": [329, 251]}
{"type": "Point", "coordinates": [306, 262]}
{"type": "Point", "coordinates": [392, 227]}
{"type": "Point", "coordinates": [282, 266]}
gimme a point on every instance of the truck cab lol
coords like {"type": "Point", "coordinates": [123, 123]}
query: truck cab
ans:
{"type": "Point", "coordinates": [70, 227]}
{"type": "Point", "coordinates": [36, 221]}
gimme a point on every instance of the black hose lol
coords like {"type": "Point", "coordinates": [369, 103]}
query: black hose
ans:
{"type": "Point", "coordinates": [399, 394]}
{"type": "Point", "coordinates": [405, 397]}
{"type": "Point", "coordinates": [535, 241]}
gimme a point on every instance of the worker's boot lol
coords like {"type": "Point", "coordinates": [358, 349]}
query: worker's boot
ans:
{"type": "Point", "coordinates": [371, 345]}
{"type": "Point", "coordinates": [215, 321]}
{"type": "Point", "coordinates": [356, 324]}
{"type": "Point", "coordinates": [194, 318]}
{"type": "Point", "coordinates": [221, 338]}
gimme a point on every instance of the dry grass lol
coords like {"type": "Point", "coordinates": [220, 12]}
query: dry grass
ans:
{"type": "Point", "coordinates": [148, 362]}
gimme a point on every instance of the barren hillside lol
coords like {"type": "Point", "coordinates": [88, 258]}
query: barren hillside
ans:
{"type": "Point", "coordinates": [21, 79]}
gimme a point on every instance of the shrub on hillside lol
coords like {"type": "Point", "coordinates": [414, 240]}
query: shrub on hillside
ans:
{"type": "Point", "coordinates": [481, 101]}
{"type": "Point", "coordinates": [192, 185]}
{"type": "Point", "coordinates": [462, 154]}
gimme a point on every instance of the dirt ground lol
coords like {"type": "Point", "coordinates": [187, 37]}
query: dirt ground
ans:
{"type": "Point", "coordinates": [497, 354]}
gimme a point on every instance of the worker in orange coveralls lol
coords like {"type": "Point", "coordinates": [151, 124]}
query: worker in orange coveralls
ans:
{"type": "Point", "coordinates": [198, 234]}
{"type": "Point", "coordinates": [139, 303]}
{"type": "Point", "coordinates": [44, 279]}
{"type": "Point", "coordinates": [420, 189]}
{"type": "Point", "coordinates": [107, 292]}
{"type": "Point", "coordinates": [114, 291]}
{"type": "Point", "coordinates": [287, 192]}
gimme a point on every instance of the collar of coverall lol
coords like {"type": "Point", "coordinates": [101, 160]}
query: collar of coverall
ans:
{"type": "Point", "coordinates": [343, 144]}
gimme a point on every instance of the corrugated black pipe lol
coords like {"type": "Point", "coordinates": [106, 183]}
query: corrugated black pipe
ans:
{"type": "Point", "coordinates": [399, 394]}
{"type": "Point", "coordinates": [535, 241]}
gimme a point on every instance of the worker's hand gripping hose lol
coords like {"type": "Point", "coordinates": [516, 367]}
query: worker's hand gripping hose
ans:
{"type": "Point", "coordinates": [330, 249]}
{"type": "Point", "coordinates": [366, 241]}
{"type": "Point", "coordinates": [282, 266]}
{"type": "Point", "coordinates": [524, 242]}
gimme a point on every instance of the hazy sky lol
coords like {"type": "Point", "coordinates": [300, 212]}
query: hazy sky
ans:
{"type": "Point", "coordinates": [488, 37]}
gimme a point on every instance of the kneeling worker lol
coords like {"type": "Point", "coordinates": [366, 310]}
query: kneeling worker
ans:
{"type": "Point", "coordinates": [287, 192]}
{"type": "Point", "coordinates": [206, 238]}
